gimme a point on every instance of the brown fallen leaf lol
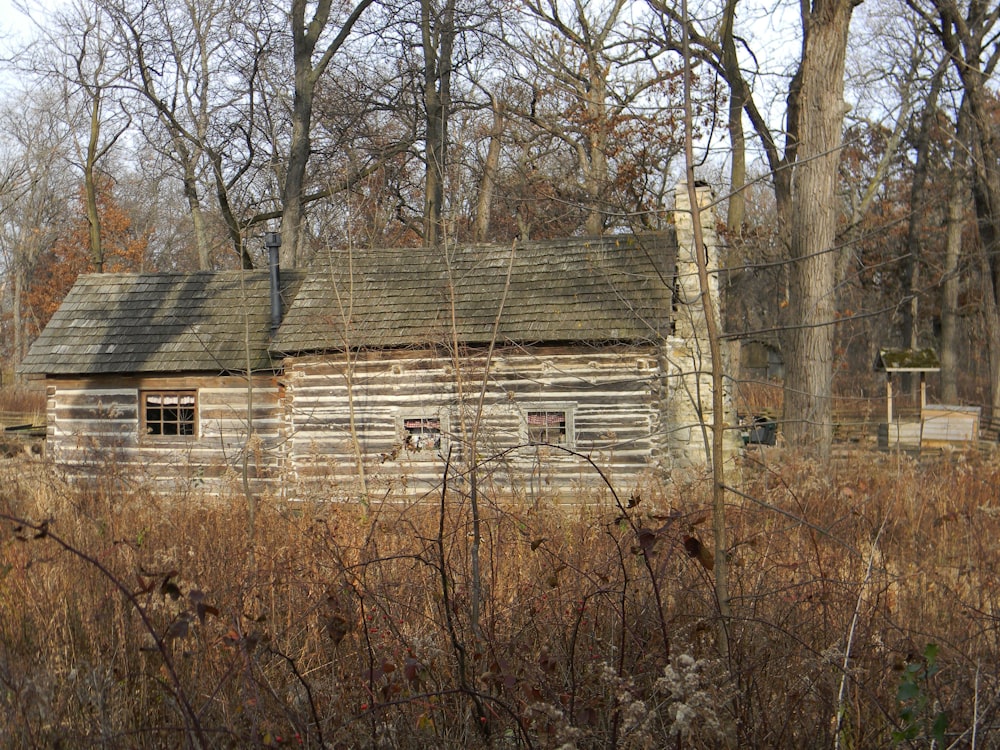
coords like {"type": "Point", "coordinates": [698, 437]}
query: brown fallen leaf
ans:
{"type": "Point", "coordinates": [647, 540]}
{"type": "Point", "coordinates": [694, 548]}
{"type": "Point", "coordinates": [337, 627]}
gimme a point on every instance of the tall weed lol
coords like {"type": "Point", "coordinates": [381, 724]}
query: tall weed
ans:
{"type": "Point", "coordinates": [147, 621]}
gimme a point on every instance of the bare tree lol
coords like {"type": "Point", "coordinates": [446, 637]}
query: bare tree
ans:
{"type": "Point", "coordinates": [804, 176]}
{"type": "Point", "coordinates": [816, 100]}
{"type": "Point", "coordinates": [312, 52]}
{"type": "Point", "coordinates": [598, 82]}
{"type": "Point", "coordinates": [921, 169]}
{"type": "Point", "coordinates": [177, 53]}
{"type": "Point", "coordinates": [75, 51]}
{"type": "Point", "coordinates": [215, 76]}
{"type": "Point", "coordinates": [437, 31]}
{"type": "Point", "coordinates": [198, 65]}
{"type": "Point", "coordinates": [958, 198]}
{"type": "Point", "coordinates": [968, 33]}
{"type": "Point", "coordinates": [488, 179]}
{"type": "Point", "coordinates": [34, 184]}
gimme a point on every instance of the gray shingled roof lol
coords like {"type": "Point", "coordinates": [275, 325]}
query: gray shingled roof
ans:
{"type": "Point", "coordinates": [154, 323]}
{"type": "Point", "coordinates": [612, 289]}
{"type": "Point", "coordinates": [615, 288]}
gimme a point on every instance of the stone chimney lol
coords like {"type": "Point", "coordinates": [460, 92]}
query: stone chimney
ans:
{"type": "Point", "coordinates": [690, 321]}
{"type": "Point", "coordinates": [688, 353]}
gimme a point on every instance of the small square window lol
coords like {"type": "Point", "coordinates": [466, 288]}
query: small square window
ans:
{"type": "Point", "coordinates": [422, 433]}
{"type": "Point", "coordinates": [169, 413]}
{"type": "Point", "coordinates": [547, 427]}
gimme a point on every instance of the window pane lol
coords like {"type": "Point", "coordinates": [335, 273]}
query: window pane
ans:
{"type": "Point", "coordinates": [547, 427]}
{"type": "Point", "coordinates": [422, 433]}
{"type": "Point", "coordinates": [169, 413]}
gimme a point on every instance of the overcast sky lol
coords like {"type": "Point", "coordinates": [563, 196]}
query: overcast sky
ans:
{"type": "Point", "coordinates": [15, 27]}
{"type": "Point", "coordinates": [12, 21]}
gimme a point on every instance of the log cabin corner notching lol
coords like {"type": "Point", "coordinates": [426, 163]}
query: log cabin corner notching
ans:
{"type": "Point", "coordinates": [377, 371]}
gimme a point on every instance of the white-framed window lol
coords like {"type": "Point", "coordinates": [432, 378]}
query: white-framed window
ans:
{"type": "Point", "coordinates": [169, 413]}
{"type": "Point", "coordinates": [421, 433]}
{"type": "Point", "coordinates": [550, 424]}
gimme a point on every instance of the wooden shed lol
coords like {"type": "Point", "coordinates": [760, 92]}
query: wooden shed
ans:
{"type": "Point", "coordinates": [936, 425]}
{"type": "Point", "coordinates": [544, 357]}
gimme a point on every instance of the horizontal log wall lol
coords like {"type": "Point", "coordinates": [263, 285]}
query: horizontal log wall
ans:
{"type": "Point", "coordinates": [93, 431]}
{"type": "Point", "coordinates": [321, 426]}
{"type": "Point", "coordinates": [612, 398]}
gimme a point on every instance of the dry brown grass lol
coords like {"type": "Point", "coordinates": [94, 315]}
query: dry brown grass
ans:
{"type": "Point", "coordinates": [22, 404]}
{"type": "Point", "coordinates": [138, 621]}
{"type": "Point", "coordinates": [759, 398]}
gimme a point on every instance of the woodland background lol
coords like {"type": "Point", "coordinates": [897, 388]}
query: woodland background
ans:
{"type": "Point", "coordinates": [855, 164]}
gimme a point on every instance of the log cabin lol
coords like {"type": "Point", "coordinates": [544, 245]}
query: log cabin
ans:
{"type": "Point", "coordinates": [554, 368]}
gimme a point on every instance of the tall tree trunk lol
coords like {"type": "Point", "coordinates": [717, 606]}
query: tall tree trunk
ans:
{"type": "Point", "coordinates": [305, 37]}
{"type": "Point", "coordinates": [596, 171]}
{"type": "Point", "coordinates": [806, 209]}
{"type": "Point", "coordinates": [955, 221]}
{"type": "Point", "coordinates": [298, 157]}
{"type": "Point", "coordinates": [487, 184]}
{"type": "Point", "coordinates": [991, 314]}
{"type": "Point", "coordinates": [189, 182]}
{"type": "Point", "coordinates": [90, 187]}
{"type": "Point", "coordinates": [197, 219]}
{"type": "Point", "coordinates": [737, 100]}
{"type": "Point", "coordinates": [17, 313]}
{"type": "Point", "coordinates": [233, 228]}
{"type": "Point", "coordinates": [986, 195]}
{"type": "Point", "coordinates": [958, 196]}
{"type": "Point", "coordinates": [737, 170]}
{"type": "Point", "coordinates": [438, 39]}
{"type": "Point", "coordinates": [819, 103]}
{"type": "Point", "coordinates": [914, 231]}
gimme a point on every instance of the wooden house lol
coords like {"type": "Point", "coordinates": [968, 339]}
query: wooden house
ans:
{"type": "Point", "coordinates": [557, 365]}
